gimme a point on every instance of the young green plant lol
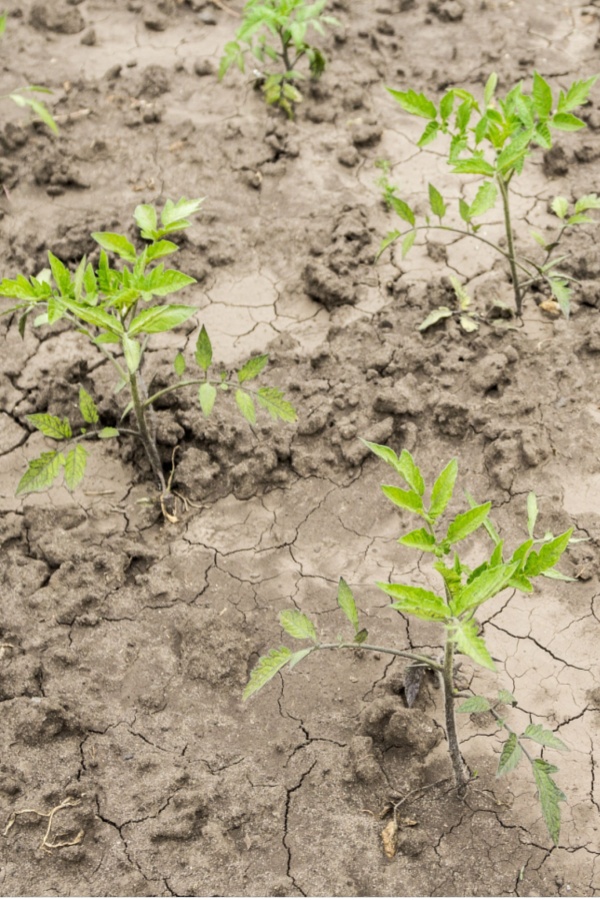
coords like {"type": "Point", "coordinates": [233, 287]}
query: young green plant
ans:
{"type": "Point", "coordinates": [453, 609]}
{"type": "Point", "coordinates": [492, 140]}
{"type": "Point", "coordinates": [114, 308]}
{"type": "Point", "coordinates": [287, 23]}
{"type": "Point", "coordinates": [467, 320]}
{"type": "Point", "coordinates": [20, 96]}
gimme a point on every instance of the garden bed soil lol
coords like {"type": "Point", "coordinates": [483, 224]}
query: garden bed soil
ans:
{"type": "Point", "coordinates": [125, 641]}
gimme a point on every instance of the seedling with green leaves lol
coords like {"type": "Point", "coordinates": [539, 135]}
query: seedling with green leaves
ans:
{"type": "Point", "coordinates": [453, 609]}
{"type": "Point", "coordinates": [388, 190]}
{"type": "Point", "coordinates": [21, 97]}
{"type": "Point", "coordinates": [467, 320]}
{"type": "Point", "coordinates": [288, 22]}
{"type": "Point", "coordinates": [114, 307]}
{"type": "Point", "coordinates": [493, 140]}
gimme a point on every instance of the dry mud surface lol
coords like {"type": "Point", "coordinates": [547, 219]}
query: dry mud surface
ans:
{"type": "Point", "coordinates": [124, 641]}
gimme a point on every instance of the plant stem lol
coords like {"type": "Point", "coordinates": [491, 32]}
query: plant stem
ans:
{"type": "Point", "coordinates": [416, 657]}
{"type": "Point", "coordinates": [146, 438]}
{"type": "Point", "coordinates": [502, 184]}
{"type": "Point", "coordinates": [460, 776]}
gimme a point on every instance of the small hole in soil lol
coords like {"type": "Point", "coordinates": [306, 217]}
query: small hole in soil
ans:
{"type": "Point", "coordinates": [493, 392]}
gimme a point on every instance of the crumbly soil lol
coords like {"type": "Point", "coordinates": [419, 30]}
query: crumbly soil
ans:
{"type": "Point", "coordinates": [125, 641]}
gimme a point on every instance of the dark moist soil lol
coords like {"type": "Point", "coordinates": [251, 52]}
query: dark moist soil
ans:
{"type": "Point", "coordinates": [125, 641]}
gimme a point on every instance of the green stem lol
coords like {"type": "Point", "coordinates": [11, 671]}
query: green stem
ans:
{"type": "Point", "coordinates": [502, 184]}
{"type": "Point", "coordinates": [147, 440]}
{"type": "Point", "coordinates": [460, 775]}
{"type": "Point", "coordinates": [416, 657]}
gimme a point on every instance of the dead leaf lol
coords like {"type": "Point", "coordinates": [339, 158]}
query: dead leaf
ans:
{"type": "Point", "coordinates": [387, 810]}
{"type": "Point", "coordinates": [413, 676]}
{"type": "Point", "coordinates": [389, 837]}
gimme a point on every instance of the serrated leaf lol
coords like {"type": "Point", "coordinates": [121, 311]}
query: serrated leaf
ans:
{"type": "Point", "coordinates": [420, 539]}
{"type": "Point", "coordinates": [390, 238]}
{"type": "Point", "coordinates": [466, 523]}
{"type": "Point", "coordinates": [273, 400]}
{"type": "Point", "coordinates": [510, 756]}
{"type": "Point", "coordinates": [265, 669]}
{"type": "Point", "coordinates": [146, 220]}
{"type": "Point", "coordinates": [463, 209]}
{"type": "Point", "coordinates": [408, 469]}
{"type": "Point", "coordinates": [106, 433]}
{"type": "Point", "coordinates": [566, 122]}
{"type": "Point", "coordinates": [252, 368]}
{"type": "Point", "coordinates": [557, 576]}
{"type": "Point", "coordinates": [75, 462]}
{"type": "Point", "coordinates": [415, 104]}
{"type": "Point", "coordinates": [542, 136]}
{"type": "Point", "coordinates": [474, 705]}
{"type": "Point", "coordinates": [204, 351]}
{"type": "Point", "coordinates": [541, 96]}
{"type": "Point", "coordinates": [88, 408]}
{"type": "Point", "coordinates": [383, 452]}
{"type": "Point", "coordinates": [177, 213]}
{"type": "Point", "coordinates": [490, 89]}
{"type": "Point", "coordinates": [51, 426]}
{"type": "Point", "coordinates": [442, 312]}
{"type": "Point", "coordinates": [430, 132]}
{"type": "Point", "coordinates": [159, 319]}
{"type": "Point", "coordinates": [60, 273]}
{"type": "Point", "coordinates": [161, 282]}
{"type": "Point", "coordinates": [560, 207]}
{"type": "Point", "coordinates": [246, 406]}
{"type": "Point", "coordinates": [404, 499]}
{"type": "Point", "coordinates": [408, 242]}
{"type": "Point", "coordinates": [485, 586]}
{"type": "Point", "coordinates": [97, 317]}
{"type": "Point", "coordinates": [576, 95]}
{"type": "Point", "coordinates": [416, 601]}
{"type": "Point", "coordinates": [544, 737]}
{"type": "Point", "coordinates": [160, 249]}
{"type": "Point", "coordinates": [402, 209]}
{"type": "Point", "coordinates": [207, 394]}
{"type": "Point", "coordinates": [436, 201]}
{"type": "Point", "coordinates": [347, 604]}
{"type": "Point", "coordinates": [550, 796]}
{"type": "Point", "coordinates": [547, 556]}
{"type": "Point", "coordinates": [474, 166]}
{"type": "Point", "coordinates": [506, 697]}
{"type": "Point", "coordinates": [485, 199]}
{"type": "Point", "coordinates": [179, 364]}
{"type": "Point", "coordinates": [443, 489]}
{"type": "Point", "coordinates": [471, 644]}
{"type": "Point", "coordinates": [297, 625]}
{"type": "Point", "coordinates": [41, 472]}
{"type": "Point", "coordinates": [115, 243]}
{"type": "Point", "coordinates": [588, 201]}
{"type": "Point", "coordinates": [413, 677]}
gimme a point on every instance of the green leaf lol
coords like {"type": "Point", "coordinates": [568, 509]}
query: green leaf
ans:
{"type": "Point", "coordinates": [547, 556]}
{"type": "Point", "coordinates": [179, 364]}
{"type": "Point", "coordinates": [133, 353]}
{"type": "Point", "coordinates": [38, 108]}
{"type": "Point", "coordinates": [2, 24]}
{"type": "Point", "coordinates": [408, 242]}
{"type": "Point", "coordinates": [542, 136]}
{"type": "Point", "coordinates": [203, 350]}
{"type": "Point", "coordinates": [589, 201]}
{"type": "Point", "coordinates": [159, 249]}
{"type": "Point", "coordinates": [174, 215]}
{"type": "Point", "coordinates": [415, 104]}
{"type": "Point", "coordinates": [469, 643]}
{"type": "Point", "coordinates": [416, 601]}
{"type": "Point", "coordinates": [408, 469]}
{"type": "Point", "coordinates": [443, 489]}
{"type": "Point", "coordinates": [252, 368]}
{"type": "Point", "coordinates": [466, 523]}
{"type": "Point", "coordinates": [106, 433]}
{"type": "Point", "coordinates": [510, 756]}
{"type": "Point", "coordinates": [532, 512]}
{"type": "Point", "coordinates": [41, 472]}
{"type": "Point", "coordinates": [485, 586]}
{"type": "Point", "coordinates": [94, 316]}
{"type": "Point", "coordinates": [347, 604]}
{"type": "Point", "coordinates": [468, 324]}
{"type": "Point", "coordinates": [541, 96]}
{"type": "Point", "coordinates": [404, 499]}
{"type": "Point", "coordinates": [474, 705]}
{"type": "Point", "coordinates": [115, 243]}
{"type": "Point", "coordinates": [159, 319]}
{"type": "Point", "coordinates": [430, 132]}
{"type": "Point", "coordinates": [562, 293]}
{"type": "Point", "coordinates": [51, 426]}
{"type": "Point", "coordinates": [550, 796]}
{"type": "Point", "coordinates": [88, 408]}
{"type": "Point", "coordinates": [388, 239]}
{"type": "Point", "coordinates": [297, 625]}
{"type": "Point", "coordinates": [75, 463]}
{"type": "Point", "coordinates": [442, 312]}
{"type": "Point", "coordinates": [485, 199]}
{"type": "Point", "coordinates": [464, 210]}
{"type": "Point", "coordinates": [576, 95]}
{"type": "Point", "coordinates": [403, 210]}
{"type": "Point", "coordinates": [560, 207]}
{"type": "Point", "coordinates": [447, 105]}
{"type": "Point", "coordinates": [60, 273]}
{"type": "Point", "coordinates": [246, 406]}
{"type": "Point", "coordinates": [207, 394]}
{"type": "Point", "coordinates": [514, 153]}
{"type": "Point", "coordinates": [474, 166]}
{"type": "Point", "coordinates": [272, 399]}
{"type": "Point", "coordinates": [557, 576]}
{"type": "Point", "coordinates": [490, 89]}
{"type": "Point", "coordinates": [487, 524]}
{"type": "Point", "coordinates": [420, 539]}
{"type": "Point", "coordinates": [566, 122]}
{"type": "Point", "coordinates": [146, 220]}
{"type": "Point", "coordinates": [544, 737]}
{"type": "Point", "coordinates": [361, 636]}
{"type": "Point", "coordinates": [265, 669]}
{"type": "Point", "coordinates": [506, 697]}
{"type": "Point", "coordinates": [383, 452]}
{"type": "Point", "coordinates": [436, 201]}
{"type": "Point", "coordinates": [161, 282]}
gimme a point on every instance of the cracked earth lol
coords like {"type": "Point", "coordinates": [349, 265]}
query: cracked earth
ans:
{"type": "Point", "coordinates": [125, 642]}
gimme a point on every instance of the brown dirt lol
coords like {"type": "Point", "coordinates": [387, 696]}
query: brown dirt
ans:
{"type": "Point", "coordinates": [125, 642]}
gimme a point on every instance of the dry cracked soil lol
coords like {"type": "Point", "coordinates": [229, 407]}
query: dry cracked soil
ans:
{"type": "Point", "coordinates": [125, 641]}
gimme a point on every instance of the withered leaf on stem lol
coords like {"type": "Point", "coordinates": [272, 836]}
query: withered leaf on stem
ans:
{"type": "Point", "coordinates": [389, 837]}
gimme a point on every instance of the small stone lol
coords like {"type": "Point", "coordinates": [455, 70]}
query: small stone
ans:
{"type": "Point", "coordinates": [155, 21]}
{"type": "Point", "coordinates": [207, 18]}
{"type": "Point", "coordinates": [203, 67]}
{"type": "Point", "coordinates": [88, 38]}
{"type": "Point", "coordinates": [348, 156]}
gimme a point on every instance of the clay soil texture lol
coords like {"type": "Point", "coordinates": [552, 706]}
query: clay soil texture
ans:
{"type": "Point", "coordinates": [125, 640]}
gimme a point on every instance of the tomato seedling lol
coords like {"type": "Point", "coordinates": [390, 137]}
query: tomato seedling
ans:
{"type": "Point", "coordinates": [464, 590]}
{"type": "Point", "coordinates": [21, 98]}
{"type": "Point", "coordinates": [288, 22]}
{"type": "Point", "coordinates": [493, 140]}
{"type": "Point", "coordinates": [112, 307]}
